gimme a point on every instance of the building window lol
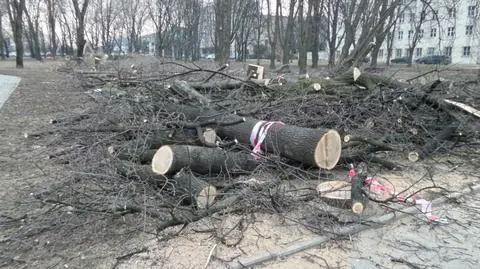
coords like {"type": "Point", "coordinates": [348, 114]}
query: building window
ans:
{"type": "Point", "coordinates": [380, 53]}
{"type": "Point", "coordinates": [434, 14]}
{"type": "Point", "coordinates": [448, 51]}
{"type": "Point", "coordinates": [401, 19]}
{"type": "Point", "coordinates": [407, 52]}
{"type": "Point", "coordinates": [466, 51]}
{"type": "Point", "coordinates": [433, 32]}
{"type": "Point", "coordinates": [471, 11]}
{"type": "Point", "coordinates": [410, 34]}
{"type": "Point", "coordinates": [451, 31]}
{"type": "Point", "coordinates": [431, 51]}
{"type": "Point", "coordinates": [420, 35]}
{"type": "Point", "coordinates": [400, 35]}
{"type": "Point", "coordinates": [469, 30]}
{"type": "Point", "coordinates": [412, 17]}
{"type": "Point", "coordinates": [419, 52]}
{"type": "Point", "coordinates": [451, 12]}
{"type": "Point", "coordinates": [398, 53]}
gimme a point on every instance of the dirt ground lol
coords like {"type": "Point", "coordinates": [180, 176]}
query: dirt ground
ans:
{"type": "Point", "coordinates": [410, 242]}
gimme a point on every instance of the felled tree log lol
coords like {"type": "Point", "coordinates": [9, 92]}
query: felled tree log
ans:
{"type": "Point", "coordinates": [193, 189]}
{"type": "Point", "coordinates": [316, 147]}
{"type": "Point", "coordinates": [182, 86]}
{"type": "Point", "coordinates": [369, 81]}
{"type": "Point", "coordinates": [172, 158]}
{"type": "Point", "coordinates": [185, 186]}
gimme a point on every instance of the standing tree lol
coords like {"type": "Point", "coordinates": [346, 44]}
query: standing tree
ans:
{"type": "Point", "coordinates": [289, 37]}
{"type": "Point", "coordinates": [2, 43]}
{"type": "Point", "coordinates": [303, 39]}
{"type": "Point", "coordinates": [223, 10]}
{"type": "Point", "coordinates": [80, 12]}
{"type": "Point", "coordinates": [33, 28]}
{"type": "Point", "coordinates": [314, 24]}
{"type": "Point", "coordinates": [332, 33]}
{"type": "Point", "coordinates": [51, 26]}
{"type": "Point", "coordinates": [415, 34]}
{"type": "Point", "coordinates": [15, 13]}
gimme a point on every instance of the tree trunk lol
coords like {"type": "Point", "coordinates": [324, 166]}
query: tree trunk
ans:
{"type": "Point", "coordinates": [288, 40]}
{"type": "Point", "coordinates": [333, 35]}
{"type": "Point", "coordinates": [222, 30]}
{"type": "Point", "coordinates": [51, 26]}
{"type": "Point", "coordinates": [194, 190]}
{"type": "Point", "coordinates": [15, 12]}
{"type": "Point", "coordinates": [315, 26]}
{"type": "Point", "coordinates": [302, 47]}
{"type": "Point", "coordinates": [2, 43]}
{"type": "Point", "coordinates": [80, 13]}
{"type": "Point", "coordinates": [172, 158]}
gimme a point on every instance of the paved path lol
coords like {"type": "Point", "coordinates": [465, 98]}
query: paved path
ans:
{"type": "Point", "coordinates": [7, 85]}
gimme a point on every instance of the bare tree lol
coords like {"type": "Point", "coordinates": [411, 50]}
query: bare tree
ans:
{"type": "Point", "coordinates": [315, 24]}
{"type": "Point", "coordinates": [15, 13]}
{"type": "Point", "coordinates": [273, 37]}
{"type": "Point", "coordinates": [288, 40]}
{"type": "Point", "coordinates": [332, 31]}
{"type": "Point", "coordinates": [303, 39]}
{"type": "Point", "coordinates": [32, 14]}
{"type": "Point", "coordinates": [415, 34]}
{"type": "Point", "coordinates": [2, 42]}
{"type": "Point", "coordinates": [223, 13]}
{"type": "Point", "coordinates": [80, 12]}
{"type": "Point", "coordinates": [51, 13]}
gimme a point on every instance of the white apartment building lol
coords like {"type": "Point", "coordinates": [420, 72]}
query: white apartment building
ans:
{"type": "Point", "coordinates": [453, 30]}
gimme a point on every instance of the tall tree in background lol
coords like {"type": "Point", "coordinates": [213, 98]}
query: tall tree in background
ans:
{"type": "Point", "coordinates": [2, 42]}
{"type": "Point", "coordinates": [415, 34]}
{"type": "Point", "coordinates": [314, 25]}
{"type": "Point", "coordinates": [32, 14]}
{"type": "Point", "coordinates": [15, 13]}
{"type": "Point", "coordinates": [288, 39]}
{"type": "Point", "coordinates": [51, 26]}
{"type": "Point", "coordinates": [222, 30]}
{"type": "Point", "coordinates": [332, 11]}
{"type": "Point", "coordinates": [80, 12]}
{"type": "Point", "coordinates": [303, 38]}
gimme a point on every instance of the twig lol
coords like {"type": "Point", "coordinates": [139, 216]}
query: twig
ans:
{"type": "Point", "coordinates": [127, 256]}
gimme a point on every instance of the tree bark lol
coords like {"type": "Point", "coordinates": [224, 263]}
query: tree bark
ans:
{"type": "Point", "coordinates": [172, 158]}
{"type": "Point", "coordinates": [51, 26]}
{"type": "Point", "coordinates": [80, 12]}
{"type": "Point", "coordinates": [15, 12]}
{"type": "Point", "coordinates": [2, 43]}
{"type": "Point", "coordinates": [302, 47]}
{"type": "Point", "coordinates": [288, 39]}
{"type": "Point", "coordinates": [222, 30]}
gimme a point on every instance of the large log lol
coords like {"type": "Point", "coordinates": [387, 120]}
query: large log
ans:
{"type": "Point", "coordinates": [316, 147]}
{"type": "Point", "coordinates": [172, 158]}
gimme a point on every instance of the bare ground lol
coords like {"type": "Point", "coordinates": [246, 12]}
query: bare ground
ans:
{"type": "Point", "coordinates": [44, 93]}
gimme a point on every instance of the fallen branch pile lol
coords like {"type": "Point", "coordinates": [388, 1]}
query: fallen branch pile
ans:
{"type": "Point", "coordinates": [188, 142]}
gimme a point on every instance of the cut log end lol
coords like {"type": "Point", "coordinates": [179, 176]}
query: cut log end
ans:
{"type": "Point", "coordinates": [162, 160]}
{"type": "Point", "coordinates": [206, 197]}
{"type": "Point", "coordinates": [357, 208]}
{"type": "Point", "coordinates": [317, 86]}
{"type": "Point", "coordinates": [413, 156]}
{"type": "Point", "coordinates": [328, 150]}
{"type": "Point", "coordinates": [210, 137]}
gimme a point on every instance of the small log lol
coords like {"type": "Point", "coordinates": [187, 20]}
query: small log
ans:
{"type": "Point", "coordinates": [223, 67]}
{"type": "Point", "coordinates": [194, 189]}
{"type": "Point", "coordinates": [185, 186]}
{"type": "Point", "coordinates": [180, 85]}
{"type": "Point", "coordinates": [172, 158]}
{"type": "Point", "coordinates": [464, 107]}
{"type": "Point", "coordinates": [433, 144]}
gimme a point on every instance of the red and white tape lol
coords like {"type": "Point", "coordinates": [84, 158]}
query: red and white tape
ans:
{"type": "Point", "coordinates": [259, 133]}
